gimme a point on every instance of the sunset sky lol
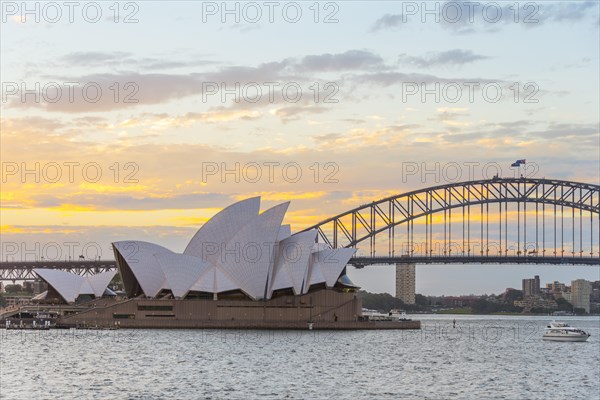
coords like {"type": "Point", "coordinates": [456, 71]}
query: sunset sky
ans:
{"type": "Point", "coordinates": [362, 116]}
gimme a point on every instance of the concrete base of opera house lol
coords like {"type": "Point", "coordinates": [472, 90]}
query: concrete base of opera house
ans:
{"type": "Point", "coordinates": [322, 309]}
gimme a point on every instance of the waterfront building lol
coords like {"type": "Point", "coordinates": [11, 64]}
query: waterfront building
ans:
{"type": "Point", "coordinates": [15, 300]}
{"type": "Point", "coordinates": [556, 287]}
{"type": "Point", "coordinates": [530, 302]}
{"type": "Point", "coordinates": [239, 253]}
{"type": "Point", "coordinates": [595, 296]}
{"type": "Point", "coordinates": [459, 301]}
{"type": "Point", "coordinates": [580, 294]}
{"type": "Point", "coordinates": [242, 269]}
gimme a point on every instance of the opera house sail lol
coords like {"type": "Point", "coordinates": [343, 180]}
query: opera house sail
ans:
{"type": "Point", "coordinates": [67, 287]}
{"type": "Point", "coordinates": [238, 250]}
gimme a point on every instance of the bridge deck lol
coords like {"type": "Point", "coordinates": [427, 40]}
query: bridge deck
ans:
{"type": "Point", "coordinates": [361, 262]}
{"type": "Point", "coordinates": [23, 270]}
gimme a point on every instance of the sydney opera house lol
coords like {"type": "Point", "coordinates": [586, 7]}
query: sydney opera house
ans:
{"type": "Point", "coordinates": [242, 268]}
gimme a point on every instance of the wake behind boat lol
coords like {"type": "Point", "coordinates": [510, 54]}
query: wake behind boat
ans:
{"type": "Point", "coordinates": [562, 332]}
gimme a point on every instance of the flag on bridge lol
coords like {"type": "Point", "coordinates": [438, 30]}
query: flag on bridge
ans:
{"type": "Point", "coordinates": [518, 163]}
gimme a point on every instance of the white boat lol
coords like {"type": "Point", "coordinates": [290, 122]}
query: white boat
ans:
{"type": "Point", "coordinates": [373, 315]}
{"type": "Point", "coordinates": [393, 315]}
{"type": "Point", "coordinates": [561, 332]}
{"type": "Point", "coordinates": [399, 315]}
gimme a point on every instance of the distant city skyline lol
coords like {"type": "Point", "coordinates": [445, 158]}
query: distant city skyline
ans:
{"type": "Point", "coordinates": [453, 280]}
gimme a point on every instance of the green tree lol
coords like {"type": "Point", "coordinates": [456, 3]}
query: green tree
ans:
{"type": "Point", "coordinates": [512, 295]}
{"type": "Point", "coordinates": [563, 305]}
{"type": "Point", "coordinates": [13, 288]}
{"type": "Point", "coordinates": [542, 310]}
{"type": "Point", "coordinates": [116, 282]}
{"type": "Point", "coordinates": [421, 300]}
{"type": "Point", "coordinates": [482, 306]}
{"type": "Point", "coordinates": [382, 302]}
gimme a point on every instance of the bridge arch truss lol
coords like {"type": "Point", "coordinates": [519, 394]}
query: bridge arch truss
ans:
{"type": "Point", "coordinates": [515, 218]}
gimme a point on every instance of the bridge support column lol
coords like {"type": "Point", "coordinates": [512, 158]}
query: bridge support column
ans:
{"type": "Point", "coordinates": [405, 282]}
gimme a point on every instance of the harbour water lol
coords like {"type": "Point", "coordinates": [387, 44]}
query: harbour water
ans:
{"type": "Point", "coordinates": [483, 357]}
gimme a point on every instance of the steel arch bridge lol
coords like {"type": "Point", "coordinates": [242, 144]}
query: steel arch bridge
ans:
{"type": "Point", "coordinates": [23, 270]}
{"type": "Point", "coordinates": [500, 220]}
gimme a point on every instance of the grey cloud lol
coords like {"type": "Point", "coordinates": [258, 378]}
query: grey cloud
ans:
{"type": "Point", "coordinates": [33, 123]}
{"type": "Point", "coordinates": [566, 11]}
{"type": "Point", "coordinates": [91, 58]}
{"type": "Point", "coordinates": [513, 129]}
{"type": "Point", "coordinates": [462, 137]}
{"type": "Point", "coordinates": [148, 88]}
{"type": "Point", "coordinates": [209, 116]}
{"type": "Point", "coordinates": [294, 112]}
{"type": "Point", "coordinates": [121, 58]}
{"type": "Point", "coordinates": [265, 72]}
{"type": "Point", "coordinates": [327, 137]}
{"type": "Point", "coordinates": [469, 17]}
{"type": "Point", "coordinates": [100, 201]}
{"type": "Point", "coordinates": [153, 88]}
{"type": "Point", "coordinates": [450, 115]}
{"type": "Point", "coordinates": [434, 59]}
{"type": "Point", "coordinates": [403, 128]}
{"type": "Point", "coordinates": [526, 130]}
{"type": "Point", "coordinates": [157, 88]}
{"type": "Point", "coordinates": [388, 21]}
{"type": "Point", "coordinates": [134, 89]}
{"type": "Point", "coordinates": [355, 121]}
{"type": "Point", "coordinates": [555, 131]}
{"type": "Point", "coordinates": [157, 64]}
{"type": "Point", "coordinates": [391, 78]}
{"type": "Point", "coordinates": [350, 60]}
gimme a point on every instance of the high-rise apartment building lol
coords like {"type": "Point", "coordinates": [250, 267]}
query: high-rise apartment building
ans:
{"type": "Point", "coordinates": [531, 287]}
{"type": "Point", "coordinates": [405, 283]}
{"type": "Point", "coordinates": [580, 294]}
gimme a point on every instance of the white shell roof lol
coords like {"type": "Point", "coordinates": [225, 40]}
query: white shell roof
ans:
{"type": "Point", "coordinates": [326, 266]}
{"type": "Point", "coordinates": [215, 281]}
{"type": "Point", "coordinates": [140, 258]}
{"type": "Point", "coordinates": [292, 263]}
{"type": "Point", "coordinates": [237, 249]}
{"type": "Point", "coordinates": [331, 263]}
{"type": "Point", "coordinates": [181, 271]}
{"type": "Point", "coordinates": [284, 232]}
{"type": "Point", "coordinates": [99, 282]}
{"type": "Point", "coordinates": [315, 276]}
{"type": "Point", "coordinates": [221, 228]}
{"type": "Point", "coordinates": [70, 286]}
{"type": "Point", "coordinates": [252, 251]}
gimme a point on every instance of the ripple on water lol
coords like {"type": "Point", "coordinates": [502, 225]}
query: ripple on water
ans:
{"type": "Point", "coordinates": [481, 362]}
